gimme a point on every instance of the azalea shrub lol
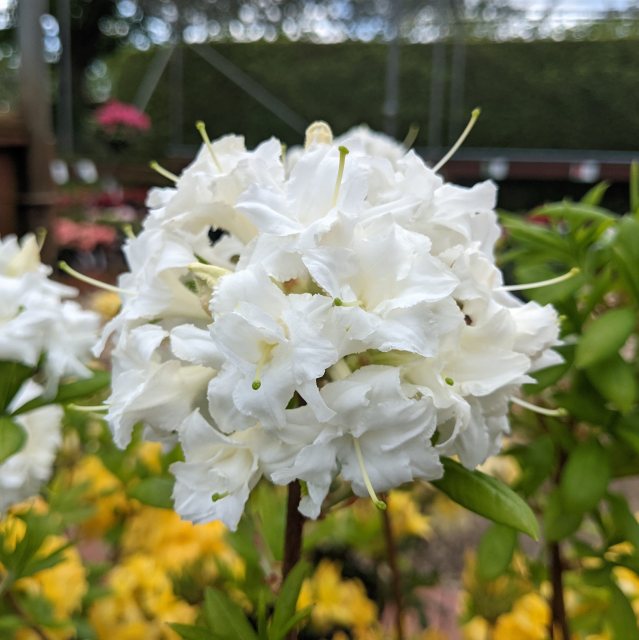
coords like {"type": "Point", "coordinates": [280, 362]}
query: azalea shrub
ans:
{"type": "Point", "coordinates": [310, 355]}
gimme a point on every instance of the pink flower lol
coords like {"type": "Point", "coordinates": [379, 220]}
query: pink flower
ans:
{"type": "Point", "coordinates": [115, 114]}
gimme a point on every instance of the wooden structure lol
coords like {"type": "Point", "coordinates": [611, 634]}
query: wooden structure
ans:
{"type": "Point", "coordinates": [13, 172]}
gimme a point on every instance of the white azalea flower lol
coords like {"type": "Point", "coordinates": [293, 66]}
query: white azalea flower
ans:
{"type": "Point", "coordinates": [340, 316]}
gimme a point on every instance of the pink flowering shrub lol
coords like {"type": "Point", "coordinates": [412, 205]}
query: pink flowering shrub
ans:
{"type": "Point", "coordinates": [115, 115]}
{"type": "Point", "coordinates": [119, 124]}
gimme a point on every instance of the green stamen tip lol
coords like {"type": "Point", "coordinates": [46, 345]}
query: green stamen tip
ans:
{"type": "Point", "coordinates": [449, 381]}
{"type": "Point", "coordinates": [380, 504]}
{"type": "Point", "coordinates": [338, 302]}
{"type": "Point", "coordinates": [476, 112]}
{"type": "Point", "coordinates": [200, 126]}
{"type": "Point", "coordinates": [218, 496]}
{"type": "Point", "coordinates": [561, 412]}
{"type": "Point", "coordinates": [343, 150]}
{"type": "Point", "coordinates": [256, 385]}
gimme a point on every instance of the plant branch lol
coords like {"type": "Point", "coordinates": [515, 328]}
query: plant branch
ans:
{"type": "Point", "coordinates": [293, 536]}
{"type": "Point", "coordinates": [396, 581]}
{"type": "Point", "coordinates": [559, 629]}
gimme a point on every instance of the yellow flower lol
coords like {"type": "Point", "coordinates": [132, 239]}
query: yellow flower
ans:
{"type": "Point", "coordinates": [476, 628]}
{"type": "Point", "coordinates": [177, 543]}
{"type": "Point", "coordinates": [337, 602]}
{"type": "Point", "coordinates": [140, 605]}
{"type": "Point", "coordinates": [63, 585]}
{"type": "Point", "coordinates": [405, 517]}
{"type": "Point", "coordinates": [528, 620]}
{"type": "Point", "coordinates": [104, 491]}
{"type": "Point", "coordinates": [150, 455]}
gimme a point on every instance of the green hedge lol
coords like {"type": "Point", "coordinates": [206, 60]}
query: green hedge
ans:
{"type": "Point", "coordinates": [579, 95]}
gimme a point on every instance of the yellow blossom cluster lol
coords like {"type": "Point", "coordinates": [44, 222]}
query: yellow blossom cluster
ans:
{"type": "Point", "coordinates": [140, 604]}
{"type": "Point", "coordinates": [338, 602]}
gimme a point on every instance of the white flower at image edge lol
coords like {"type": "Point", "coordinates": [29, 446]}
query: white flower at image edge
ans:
{"type": "Point", "coordinates": [23, 473]}
{"type": "Point", "coordinates": [336, 316]}
{"type": "Point", "coordinates": [41, 329]}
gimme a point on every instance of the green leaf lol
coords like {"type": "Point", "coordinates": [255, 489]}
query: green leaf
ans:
{"type": "Point", "coordinates": [12, 437]}
{"type": "Point", "coordinates": [286, 603]}
{"type": "Point", "coordinates": [495, 551]}
{"type": "Point", "coordinates": [537, 461]}
{"type": "Point", "coordinates": [584, 479]}
{"type": "Point", "coordinates": [625, 252]}
{"type": "Point", "coordinates": [621, 618]}
{"type": "Point", "coordinates": [487, 496]}
{"type": "Point", "coordinates": [225, 618]}
{"type": "Point", "coordinates": [595, 195]}
{"type": "Point", "coordinates": [603, 337]}
{"type": "Point", "coordinates": [189, 632]}
{"type": "Point", "coordinates": [558, 523]}
{"type": "Point", "coordinates": [615, 380]}
{"type": "Point", "coordinates": [579, 212]}
{"type": "Point", "coordinates": [70, 391]}
{"type": "Point", "coordinates": [624, 522]}
{"type": "Point", "coordinates": [155, 491]}
{"type": "Point", "coordinates": [12, 376]}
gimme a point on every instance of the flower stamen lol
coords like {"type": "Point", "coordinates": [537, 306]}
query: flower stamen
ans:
{"type": "Point", "coordinates": [85, 408]}
{"type": "Point", "coordinates": [380, 504]}
{"type": "Point", "coordinates": [208, 272]}
{"type": "Point", "coordinates": [343, 152]}
{"type": "Point", "coordinates": [553, 413]}
{"type": "Point", "coordinates": [157, 167]}
{"type": "Point", "coordinates": [266, 354]}
{"type": "Point", "coordinates": [469, 127]}
{"type": "Point", "coordinates": [201, 127]}
{"type": "Point", "coordinates": [318, 132]}
{"type": "Point", "coordinates": [63, 266]}
{"type": "Point", "coordinates": [542, 283]}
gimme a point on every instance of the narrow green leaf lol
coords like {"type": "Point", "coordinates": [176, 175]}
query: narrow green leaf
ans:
{"type": "Point", "coordinates": [70, 391]}
{"type": "Point", "coordinates": [12, 377]}
{"type": "Point", "coordinates": [286, 603]}
{"type": "Point", "coordinates": [495, 551]}
{"type": "Point", "coordinates": [559, 523]}
{"type": "Point", "coordinates": [603, 337]}
{"type": "Point", "coordinates": [302, 614]}
{"type": "Point", "coordinates": [621, 618]}
{"type": "Point", "coordinates": [578, 211]}
{"type": "Point", "coordinates": [595, 195]}
{"type": "Point", "coordinates": [155, 491]}
{"type": "Point", "coordinates": [585, 477]}
{"type": "Point", "coordinates": [225, 618]}
{"type": "Point", "coordinates": [487, 496]}
{"type": "Point", "coordinates": [615, 380]}
{"type": "Point", "coordinates": [625, 252]}
{"type": "Point", "coordinates": [12, 437]}
{"type": "Point", "coordinates": [189, 632]}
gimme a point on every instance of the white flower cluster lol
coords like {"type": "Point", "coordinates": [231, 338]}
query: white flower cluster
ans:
{"type": "Point", "coordinates": [38, 328]}
{"type": "Point", "coordinates": [343, 316]}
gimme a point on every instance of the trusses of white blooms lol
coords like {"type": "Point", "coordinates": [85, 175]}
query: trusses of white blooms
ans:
{"type": "Point", "coordinates": [22, 474]}
{"type": "Point", "coordinates": [37, 323]}
{"type": "Point", "coordinates": [39, 329]}
{"type": "Point", "coordinates": [342, 317]}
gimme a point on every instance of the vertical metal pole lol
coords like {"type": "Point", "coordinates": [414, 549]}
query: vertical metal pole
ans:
{"type": "Point", "coordinates": [176, 96]}
{"type": "Point", "coordinates": [35, 92]}
{"type": "Point", "coordinates": [437, 81]}
{"type": "Point", "coordinates": [391, 101]}
{"type": "Point", "coordinates": [458, 75]}
{"type": "Point", "coordinates": [65, 92]}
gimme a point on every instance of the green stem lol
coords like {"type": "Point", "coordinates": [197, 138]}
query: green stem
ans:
{"type": "Point", "coordinates": [396, 579]}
